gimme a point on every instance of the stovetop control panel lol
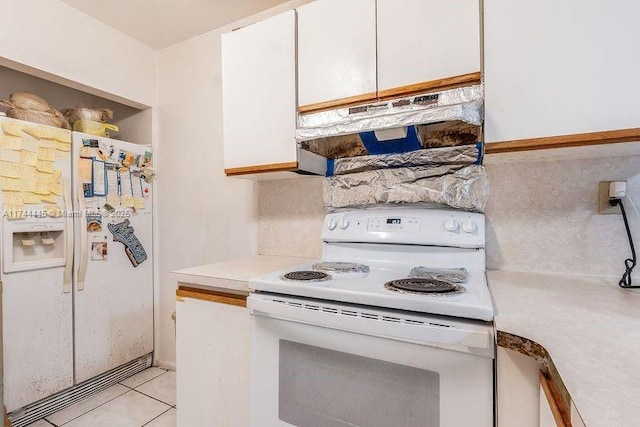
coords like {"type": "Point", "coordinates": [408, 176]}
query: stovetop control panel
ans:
{"type": "Point", "coordinates": [437, 227]}
{"type": "Point", "coordinates": [397, 223]}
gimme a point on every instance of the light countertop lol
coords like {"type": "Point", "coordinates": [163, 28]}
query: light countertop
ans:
{"type": "Point", "coordinates": [233, 276]}
{"type": "Point", "coordinates": [591, 330]}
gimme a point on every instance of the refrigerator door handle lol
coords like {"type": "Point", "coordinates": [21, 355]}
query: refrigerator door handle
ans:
{"type": "Point", "coordinates": [82, 267]}
{"type": "Point", "coordinates": [68, 267]}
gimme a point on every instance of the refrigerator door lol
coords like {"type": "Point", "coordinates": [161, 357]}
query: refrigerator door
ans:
{"type": "Point", "coordinates": [113, 308]}
{"type": "Point", "coordinates": [36, 262]}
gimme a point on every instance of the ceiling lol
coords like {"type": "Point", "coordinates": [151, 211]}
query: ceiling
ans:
{"type": "Point", "coordinates": [161, 23]}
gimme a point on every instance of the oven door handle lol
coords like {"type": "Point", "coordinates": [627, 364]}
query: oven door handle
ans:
{"type": "Point", "coordinates": [476, 340]}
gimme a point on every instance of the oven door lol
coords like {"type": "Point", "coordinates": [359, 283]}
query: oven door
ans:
{"type": "Point", "coordinates": [322, 364]}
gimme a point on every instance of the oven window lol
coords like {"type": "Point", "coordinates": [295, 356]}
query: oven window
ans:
{"type": "Point", "coordinates": [326, 388]}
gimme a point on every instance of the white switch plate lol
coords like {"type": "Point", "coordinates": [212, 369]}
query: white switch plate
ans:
{"type": "Point", "coordinates": [604, 207]}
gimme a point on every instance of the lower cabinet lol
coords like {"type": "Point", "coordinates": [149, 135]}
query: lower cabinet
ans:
{"type": "Point", "coordinates": [213, 359]}
{"type": "Point", "coordinates": [528, 397]}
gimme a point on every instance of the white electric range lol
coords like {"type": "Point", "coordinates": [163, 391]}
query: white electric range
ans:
{"type": "Point", "coordinates": [391, 327]}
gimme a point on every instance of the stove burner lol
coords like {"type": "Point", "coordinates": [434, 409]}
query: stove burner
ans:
{"type": "Point", "coordinates": [421, 286]}
{"type": "Point", "coordinates": [341, 267]}
{"type": "Point", "coordinates": [307, 276]}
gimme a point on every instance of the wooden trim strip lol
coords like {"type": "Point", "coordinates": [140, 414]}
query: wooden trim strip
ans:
{"type": "Point", "coordinates": [338, 103]}
{"type": "Point", "coordinates": [212, 296]}
{"type": "Point", "coordinates": [431, 86]}
{"type": "Point", "coordinates": [561, 415]}
{"type": "Point", "coordinates": [273, 167]}
{"type": "Point", "coordinates": [397, 92]}
{"type": "Point", "coordinates": [565, 141]}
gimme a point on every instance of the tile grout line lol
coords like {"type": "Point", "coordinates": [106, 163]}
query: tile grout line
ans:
{"type": "Point", "coordinates": [104, 403]}
{"type": "Point", "coordinates": [154, 398]}
{"type": "Point", "coordinates": [90, 410]}
{"type": "Point", "coordinates": [133, 388]}
{"type": "Point", "coordinates": [127, 392]}
{"type": "Point", "coordinates": [150, 421]}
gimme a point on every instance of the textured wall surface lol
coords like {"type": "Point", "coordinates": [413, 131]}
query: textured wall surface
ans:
{"type": "Point", "coordinates": [542, 216]}
{"type": "Point", "coordinates": [290, 216]}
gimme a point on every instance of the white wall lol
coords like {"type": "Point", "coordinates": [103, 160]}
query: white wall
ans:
{"type": "Point", "coordinates": [52, 40]}
{"type": "Point", "coordinates": [203, 215]}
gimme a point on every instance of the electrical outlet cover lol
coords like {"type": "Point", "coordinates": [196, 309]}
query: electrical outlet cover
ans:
{"type": "Point", "coordinates": [604, 207]}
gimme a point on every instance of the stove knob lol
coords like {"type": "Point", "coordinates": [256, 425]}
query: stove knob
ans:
{"type": "Point", "coordinates": [451, 225]}
{"type": "Point", "coordinates": [469, 226]}
{"type": "Point", "coordinates": [332, 224]}
{"type": "Point", "coordinates": [344, 223]}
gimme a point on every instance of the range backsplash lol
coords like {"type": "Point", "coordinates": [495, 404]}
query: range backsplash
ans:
{"type": "Point", "coordinates": [541, 216]}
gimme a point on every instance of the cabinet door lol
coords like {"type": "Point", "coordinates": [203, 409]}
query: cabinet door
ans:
{"type": "Point", "coordinates": [336, 53]}
{"type": "Point", "coordinates": [560, 68]}
{"type": "Point", "coordinates": [212, 354]}
{"type": "Point", "coordinates": [425, 40]}
{"type": "Point", "coordinates": [258, 82]}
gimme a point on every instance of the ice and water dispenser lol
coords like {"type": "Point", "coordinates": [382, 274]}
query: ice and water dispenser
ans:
{"type": "Point", "coordinates": [33, 244]}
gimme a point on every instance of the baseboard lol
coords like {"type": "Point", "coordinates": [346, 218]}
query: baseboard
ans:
{"type": "Point", "coordinates": [52, 404]}
{"type": "Point", "coordinates": [162, 364]}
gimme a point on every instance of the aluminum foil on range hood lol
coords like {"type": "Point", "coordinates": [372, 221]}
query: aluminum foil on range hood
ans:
{"type": "Point", "coordinates": [463, 104]}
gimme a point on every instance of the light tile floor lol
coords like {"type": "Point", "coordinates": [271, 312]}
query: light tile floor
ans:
{"type": "Point", "coordinates": [145, 399]}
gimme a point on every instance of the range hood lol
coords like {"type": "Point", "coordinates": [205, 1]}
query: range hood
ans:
{"type": "Point", "coordinates": [460, 104]}
{"type": "Point", "coordinates": [446, 118]}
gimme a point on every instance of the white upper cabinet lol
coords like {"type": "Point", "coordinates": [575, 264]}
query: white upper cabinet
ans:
{"type": "Point", "coordinates": [560, 67]}
{"type": "Point", "coordinates": [425, 40]}
{"type": "Point", "coordinates": [336, 51]}
{"type": "Point", "coordinates": [259, 93]}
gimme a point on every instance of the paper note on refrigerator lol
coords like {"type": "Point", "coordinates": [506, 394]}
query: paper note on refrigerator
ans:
{"type": "Point", "coordinates": [10, 184]}
{"type": "Point", "coordinates": [10, 155]}
{"type": "Point", "coordinates": [28, 158]}
{"type": "Point", "coordinates": [49, 198]}
{"type": "Point", "coordinates": [30, 145]}
{"type": "Point", "coordinates": [28, 172]}
{"type": "Point", "coordinates": [84, 170]}
{"type": "Point", "coordinates": [28, 185]}
{"type": "Point", "coordinates": [10, 170]}
{"type": "Point", "coordinates": [127, 201]}
{"type": "Point", "coordinates": [56, 188]}
{"type": "Point", "coordinates": [112, 179]}
{"type": "Point", "coordinates": [47, 132]}
{"type": "Point", "coordinates": [138, 203]}
{"type": "Point", "coordinates": [30, 198]}
{"type": "Point", "coordinates": [46, 153]}
{"type": "Point", "coordinates": [12, 198]}
{"type": "Point", "coordinates": [57, 175]}
{"type": "Point", "coordinates": [99, 178]}
{"type": "Point", "coordinates": [45, 166]}
{"type": "Point", "coordinates": [113, 200]}
{"type": "Point", "coordinates": [62, 146]}
{"type": "Point", "coordinates": [126, 185]}
{"type": "Point", "coordinates": [63, 135]}
{"type": "Point", "coordinates": [33, 131]}
{"type": "Point", "coordinates": [42, 188]}
{"type": "Point", "coordinates": [44, 177]}
{"type": "Point", "coordinates": [137, 186]}
{"type": "Point", "coordinates": [11, 142]}
{"type": "Point", "coordinates": [12, 128]}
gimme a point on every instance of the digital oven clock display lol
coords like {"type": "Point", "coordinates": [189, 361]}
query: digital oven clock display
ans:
{"type": "Point", "coordinates": [394, 221]}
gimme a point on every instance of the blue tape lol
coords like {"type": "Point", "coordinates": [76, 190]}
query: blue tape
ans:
{"type": "Point", "coordinates": [392, 146]}
{"type": "Point", "coordinates": [330, 167]}
{"type": "Point", "coordinates": [480, 147]}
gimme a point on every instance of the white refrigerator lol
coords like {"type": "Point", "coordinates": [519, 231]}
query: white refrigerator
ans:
{"type": "Point", "coordinates": [77, 264]}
